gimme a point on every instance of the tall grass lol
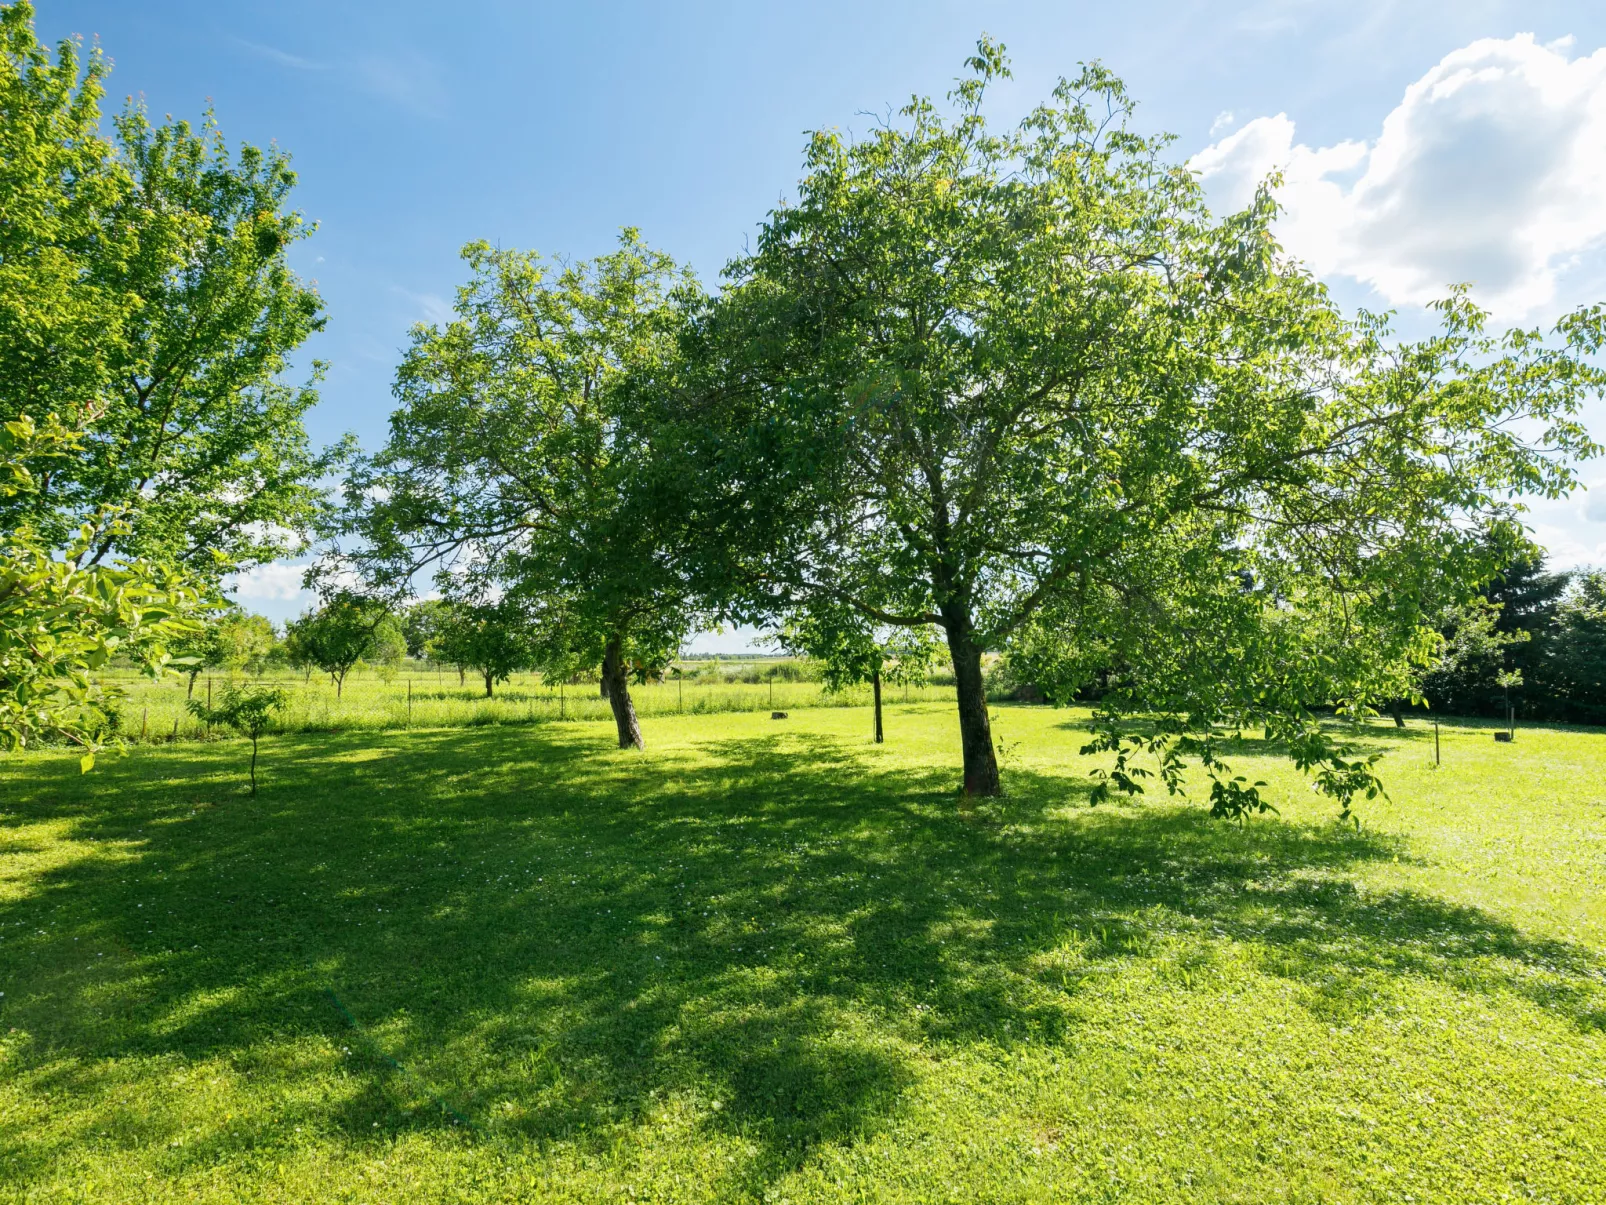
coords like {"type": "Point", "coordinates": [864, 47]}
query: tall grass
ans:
{"type": "Point", "coordinates": [425, 698]}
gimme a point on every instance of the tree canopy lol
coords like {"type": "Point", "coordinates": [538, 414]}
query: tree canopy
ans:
{"type": "Point", "coordinates": [493, 639]}
{"type": "Point", "coordinates": [62, 619]}
{"type": "Point", "coordinates": [344, 630]}
{"type": "Point", "coordinates": [146, 295]}
{"type": "Point", "coordinates": [521, 460]}
{"type": "Point", "coordinates": [1023, 387]}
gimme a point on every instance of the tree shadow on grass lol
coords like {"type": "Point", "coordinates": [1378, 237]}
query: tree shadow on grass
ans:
{"type": "Point", "coordinates": [555, 939]}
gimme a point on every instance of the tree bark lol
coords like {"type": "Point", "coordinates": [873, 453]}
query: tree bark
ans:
{"type": "Point", "coordinates": [487, 683]}
{"type": "Point", "coordinates": [616, 683]}
{"type": "Point", "coordinates": [875, 682]}
{"type": "Point", "coordinates": [975, 729]}
{"type": "Point", "coordinates": [603, 688]}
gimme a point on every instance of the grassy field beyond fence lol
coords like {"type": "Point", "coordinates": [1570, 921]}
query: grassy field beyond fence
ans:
{"type": "Point", "coordinates": [426, 698]}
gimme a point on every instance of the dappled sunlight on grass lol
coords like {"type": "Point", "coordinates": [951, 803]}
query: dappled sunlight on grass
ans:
{"type": "Point", "coordinates": [768, 956]}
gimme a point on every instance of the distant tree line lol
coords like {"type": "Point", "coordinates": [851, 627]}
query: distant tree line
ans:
{"type": "Point", "coordinates": [1530, 639]}
{"type": "Point", "coordinates": [1543, 649]}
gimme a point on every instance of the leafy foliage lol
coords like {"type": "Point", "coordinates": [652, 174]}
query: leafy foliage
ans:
{"type": "Point", "coordinates": [850, 649]}
{"type": "Point", "coordinates": [422, 624]}
{"type": "Point", "coordinates": [249, 710]}
{"type": "Point", "coordinates": [1023, 386]}
{"type": "Point", "coordinates": [145, 292]}
{"type": "Point", "coordinates": [493, 639]}
{"type": "Point", "coordinates": [229, 638]}
{"type": "Point", "coordinates": [1575, 668]}
{"type": "Point", "coordinates": [62, 618]}
{"type": "Point", "coordinates": [521, 459]}
{"type": "Point", "coordinates": [344, 630]}
{"type": "Point", "coordinates": [1503, 628]}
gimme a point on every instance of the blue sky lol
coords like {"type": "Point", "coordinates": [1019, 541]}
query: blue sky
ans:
{"type": "Point", "coordinates": [1423, 141]}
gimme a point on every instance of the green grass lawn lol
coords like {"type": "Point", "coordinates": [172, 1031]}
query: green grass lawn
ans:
{"type": "Point", "coordinates": [768, 961]}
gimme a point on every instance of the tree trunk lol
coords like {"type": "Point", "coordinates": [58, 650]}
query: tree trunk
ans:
{"type": "Point", "coordinates": [462, 676]}
{"type": "Point", "coordinates": [340, 684]}
{"type": "Point", "coordinates": [1399, 719]}
{"type": "Point", "coordinates": [975, 729]}
{"type": "Point", "coordinates": [253, 767]}
{"type": "Point", "coordinates": [191, 693]}
{"type": "Point", "coordinates": [603, 687]}
{"type": "Point", "coordinates": [875, 682]}
{"type": "Point", "coordinates": [616, 681]}
{"type": "Point", "coordinates": [487, 683]}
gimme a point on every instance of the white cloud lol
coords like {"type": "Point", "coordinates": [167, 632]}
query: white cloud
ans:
{"type": "Point", "coordinates": [434, 307]}
{"type": "Point", "coordinates": [1593, 502]}
{"type": "Point", "coordinates": [1491, 170]}
{"type": "Point", "coordinates": [406, 79]}
{"type": "Point", "coordinates": [1224, 121]}
{"type": "Point", "coordinates": [283, 58]}
{"type": "Point", "coordinates": [271, 581]}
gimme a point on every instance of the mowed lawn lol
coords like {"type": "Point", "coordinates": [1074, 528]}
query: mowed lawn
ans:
{"type": "Point", "coordinates": [769, 961]}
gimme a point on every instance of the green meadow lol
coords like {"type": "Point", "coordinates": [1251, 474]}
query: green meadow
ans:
{"type": "Point", "coordinates": [417, 697]}
{"type": "Point", "coordinates": [769, 961]}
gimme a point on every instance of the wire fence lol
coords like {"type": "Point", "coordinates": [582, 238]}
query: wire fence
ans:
{"type": "Point", "coordinates": [415, 698]}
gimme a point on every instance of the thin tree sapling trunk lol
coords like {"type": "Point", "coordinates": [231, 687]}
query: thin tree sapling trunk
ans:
{"type": "Point", "coordinates": [253, 766]}
{"type": "Point", "coordinates": [615, 675]}
{"type": "Point", "coordinates": [975, 729]}
{"type": "Point", "coordinates": [875, 682]}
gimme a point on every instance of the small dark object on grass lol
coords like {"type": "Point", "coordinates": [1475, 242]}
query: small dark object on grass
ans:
{"type": "Point", "coordinates": [777, 715]}
{"type": "Point", "coordinates": [1503, 736]}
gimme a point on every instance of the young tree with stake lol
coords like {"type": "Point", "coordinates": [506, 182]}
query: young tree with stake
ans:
{"type": "Point", "coordinates": [249, 710]}
{"type": "Point", "coordinates": [851, 650]}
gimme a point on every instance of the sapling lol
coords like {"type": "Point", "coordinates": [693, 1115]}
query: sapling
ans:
{"type": "Point", "coordinates": [1505, 680]}
{"type": "Point", "coordinates": [246, 709]}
